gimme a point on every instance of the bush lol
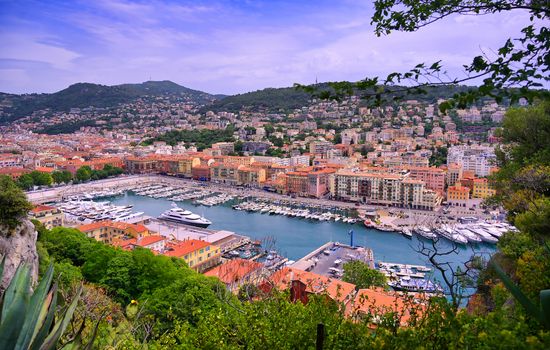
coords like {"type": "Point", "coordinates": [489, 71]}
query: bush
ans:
{"type": "Point", "coordinates": [13, 203]}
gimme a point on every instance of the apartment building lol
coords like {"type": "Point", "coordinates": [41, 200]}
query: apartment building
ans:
{"type": "Point", "coordinates": [458, 193]}
{"type": "Point", "coordinates": [142, 165]}
{"type": "Point", "coordinates": [250, 176]}
{"type": "Point", "coordinates": [225, 148]}
{"type": "Point", "coordinates": [383, 188]}
{"type": "Point", "coordinates": [224, 172]}
{"type": "Point", "coordinates": [199, 255]}
{"type": "Point", "coordinates": [320, 148]}
{"type": "Point", "coordinates": [178, 165]}
{"type": "Point", "coordinates": [454, 174]}
{"type": "Point", "coordinates": [433, 177]}
{"type": "Point", "coordinates": [479, 159]}
{"type": "Point", "coordinates": [108, 231]}
{"type": "Point", "coordinates": [10, 160]}
{"type": "Point", "coordinates": [482, 189]}
{"type": "Point", "coordinates": [49, 216]}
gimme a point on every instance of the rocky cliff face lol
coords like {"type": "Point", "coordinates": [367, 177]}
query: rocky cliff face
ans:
{"type": "Point", "coordinates": [17, 246]}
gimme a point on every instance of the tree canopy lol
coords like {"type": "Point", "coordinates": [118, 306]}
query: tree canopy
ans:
{"type": "Point", "coordinates": [13, 203]}
{"type": "Point", "coordinates": [360, 274]}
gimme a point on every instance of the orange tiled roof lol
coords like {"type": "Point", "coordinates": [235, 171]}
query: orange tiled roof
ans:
{"type": "Point", "coordinates": [379, 301]}
{"type": "Point", "coordinates": [148, 240]}
{"type": "Point", "coordinates": [13, 170]}
{"type": "Point", "coordinates": [234, 270]}
{"type": "Point", "coordinates": [44, 169]}
{"type": "Point", "coordinates": [181, 248]}
{"type": "Point", "coordinates": [315, 283]}
{"type": "Point", "coordinates": [113, 224]}
{"type": "Point", "coordinates": [39, 208]}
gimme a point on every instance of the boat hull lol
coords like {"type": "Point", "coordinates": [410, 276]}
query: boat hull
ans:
{"type": "Point", "coordinates": [196, 224]}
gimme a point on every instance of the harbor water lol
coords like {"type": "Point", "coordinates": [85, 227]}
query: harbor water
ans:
{"type": "Point", "coordinates": [294, 237]}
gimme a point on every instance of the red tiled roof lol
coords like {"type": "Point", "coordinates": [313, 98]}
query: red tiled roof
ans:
{"type": "Point", "coordinates": [234, 270]}
{"type": "Point", "coordinates": [113, 224]}
{"type": "Point", "coordinates": [148, 240]}
{"type": "Point", "coordinates": [185, 247]}
{"type": "Point", "coordinates": [39, 208]}
{"type": "Point", "coordinates": [315, 283]}
{"type": "Point", "coordinates": [377, 301]}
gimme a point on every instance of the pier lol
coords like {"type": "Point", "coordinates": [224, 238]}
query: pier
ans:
{"type": "Point", "coordinates": [328, 259]}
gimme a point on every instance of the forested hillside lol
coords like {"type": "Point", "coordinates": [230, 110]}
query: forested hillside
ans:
{"type": "Point", "coordinates": [82, 95]}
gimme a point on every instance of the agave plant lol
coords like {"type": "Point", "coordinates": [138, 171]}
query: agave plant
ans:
{"type": "Point", "coordinates": [27, 318]}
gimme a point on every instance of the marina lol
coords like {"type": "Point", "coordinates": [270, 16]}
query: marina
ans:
{"type": "Point", "coordinates": [295, 238]}
{"type": "Point", "coordinates": [462, 234]}
{"type": "Point", "coordinates": [287, 230]}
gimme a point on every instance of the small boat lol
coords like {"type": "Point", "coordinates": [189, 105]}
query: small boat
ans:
{"type": "Point", "coordinates": [407, 233]}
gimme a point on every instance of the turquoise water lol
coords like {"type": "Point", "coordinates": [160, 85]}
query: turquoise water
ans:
{"type": "Point", "coordinates": [295, 238]}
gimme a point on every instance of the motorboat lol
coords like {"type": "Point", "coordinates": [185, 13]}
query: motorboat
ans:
{"type": "Point", "coordinates": [406, 232]}
{"type": "Point", "coordinates": [186, 217]}
{"type": "Point", "coordinates": [425, 232]}
{"type": "Point", "coordinates": [451, 235]}
{"type": "Point", "coordinates": [415, 285]}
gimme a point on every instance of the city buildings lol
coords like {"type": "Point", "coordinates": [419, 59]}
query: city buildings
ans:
{"type": "Point", "coordinates": [479, 159]}
{"type": "Point", "coordinates": [237, 272]}
{"type": "Point", "coordinates": [108, 231]}
{"type": "Point", "coordinates": [383, 188]}
{"type": "Point", "coordinates": [458, 194]}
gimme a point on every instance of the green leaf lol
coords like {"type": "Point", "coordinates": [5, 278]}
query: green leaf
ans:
{"type": "Point", "coordinates": [38, 301]}
{"type": "Point", "coordinates": [19, 288]}
{"type": "Point", "coordinates": [11, 326]}
{"type": "Point", "coordinates": [39, 338]}
{"type": "Point", "coordinates": [545, 305]}
{"type": "Point", "coordinates": [16, 299]}
{"type": "Point", "coordinates": [52, 339]}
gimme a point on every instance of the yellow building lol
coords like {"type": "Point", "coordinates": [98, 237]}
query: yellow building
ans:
{"type": "Point", "coordinates": [224, 173]}
{"type": "Point", "coordinates": [49, 216]}
{"type": "Point", "coordinates": [458, 192]}
{"type": "Point", "coordinates": [179, 165]}
{"type": "Point", "coordinates": [107, 231]}
{"type": "Point", "coordinates": [236, 160]}
{"type": "Point", "coordinates": [482, 189]}
{"type": "Point", "coordinates": [199, 255]}
{"type": "Point", "coordinates": [250, 176]}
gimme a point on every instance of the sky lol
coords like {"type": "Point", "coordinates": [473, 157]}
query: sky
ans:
{"type": "Point", "coordinates": [225, 47]}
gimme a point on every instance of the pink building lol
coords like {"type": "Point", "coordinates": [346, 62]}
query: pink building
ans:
{"type": "Point", "coordinates": [434, 178]}
{"type": "Point", "coordinates": [318, 182]}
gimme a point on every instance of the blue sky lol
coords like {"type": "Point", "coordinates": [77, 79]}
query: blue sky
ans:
{"type": "Point", "coordinates": [222, 46]}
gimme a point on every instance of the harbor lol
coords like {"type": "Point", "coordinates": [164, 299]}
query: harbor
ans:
{"type": "Point", "coordinates": [285, 230]}
{"type": "Point", "coordinates": [465, 231]}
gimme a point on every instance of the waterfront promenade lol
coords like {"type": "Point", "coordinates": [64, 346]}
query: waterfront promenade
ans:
{"type": "Point", "coordinates": [393, 215]}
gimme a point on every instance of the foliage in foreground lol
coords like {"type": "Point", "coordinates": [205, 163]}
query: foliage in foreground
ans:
{"type": "Point", "coordinates": [27, 319]}
{"type": "Point", "coordinates": [137, 297]}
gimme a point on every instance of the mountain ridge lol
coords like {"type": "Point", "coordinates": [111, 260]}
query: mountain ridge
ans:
{"type": "Point", "coordinates": [82, 95]}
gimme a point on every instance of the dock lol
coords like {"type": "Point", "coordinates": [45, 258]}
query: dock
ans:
{"type": "Point", "coordinates": [328, 259]}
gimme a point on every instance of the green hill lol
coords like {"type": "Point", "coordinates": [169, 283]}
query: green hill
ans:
{"type": "Point", "coordinates": [82, 95]}
{"type": "Point", "coordinates": [269, 99]}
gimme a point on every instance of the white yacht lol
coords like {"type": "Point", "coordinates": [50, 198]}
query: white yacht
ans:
{"type": "Point", "coordinates": [182, 216]}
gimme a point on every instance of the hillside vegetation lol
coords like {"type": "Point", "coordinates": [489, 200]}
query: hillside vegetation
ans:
{"type": "Point", "coordinates": [270, 99]}
{"type": "Point", "coordinates": [82, 95]}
